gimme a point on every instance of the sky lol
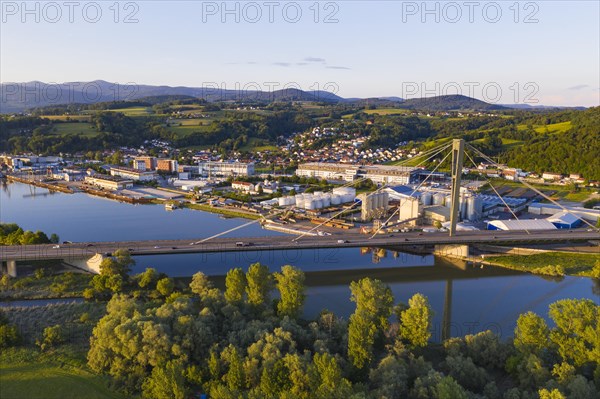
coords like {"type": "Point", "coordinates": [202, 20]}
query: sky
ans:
{"type": "Point", "coordinates": [506, 52]}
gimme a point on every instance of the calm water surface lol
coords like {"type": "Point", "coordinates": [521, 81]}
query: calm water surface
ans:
{"type": "Point", "coordinates": [471, 299]}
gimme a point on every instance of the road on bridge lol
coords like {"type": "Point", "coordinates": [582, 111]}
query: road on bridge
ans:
{"type": "Point", "coordinates": [266, 243]}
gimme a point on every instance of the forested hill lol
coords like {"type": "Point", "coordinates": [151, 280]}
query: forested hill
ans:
{"type": "Point", "coordinates": [447, 103]}
{"type": "Point", "coordinates": [574, 151]}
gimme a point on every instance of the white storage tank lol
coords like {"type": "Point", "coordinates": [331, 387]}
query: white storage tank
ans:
{"type": "Point", "coordinates": [326, 200]}
{"type": "Point", "coordinates": [463, 207]}
{"type": "Point", "coordinates": [426, 198]}
{"type": "Point", "coordinates": [336, 199]}
{"type": "Point", "coordinates": [345, 191]}
{"type": "Point", "coordinates": [438, 199]}
{"type": "Point", "coordinates": [474, 208]}
{"type": "Point", "coordinates": [318, 203]}
{"type": "Point", "coordinates": [448, 201]}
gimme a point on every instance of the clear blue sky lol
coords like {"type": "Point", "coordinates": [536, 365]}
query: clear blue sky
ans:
{"type": "Point", "coordinates": [376, 48]}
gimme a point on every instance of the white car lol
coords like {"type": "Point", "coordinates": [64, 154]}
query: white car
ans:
{"type": "Point", "coordinates": [56, 246]}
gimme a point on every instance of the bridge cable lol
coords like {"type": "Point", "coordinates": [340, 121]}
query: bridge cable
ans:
{"type": "Point", "coordinates": [438, 149]}
{"type": "Point", "coordinates": [535, 189]}
{"type": "Point", "coordinates": [414, 191]}
{"type": "Point", "coordinates": [496, 191]}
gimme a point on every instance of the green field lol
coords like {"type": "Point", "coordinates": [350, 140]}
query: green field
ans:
{"type": "Point", "coordinates": [255, 144]}
{"type": "Point", "coordinates": [574, 264]}
{"type": "Point", "coordinates": [46, 381]}
{"type": "Point", "coordinates": [65, 129]}
{"type": "Point", "coordinates": [560, 127]}
{"type": "Point", "coordinates": [80, 118]}
{"type": "Point", "coordinates": [387, 111]}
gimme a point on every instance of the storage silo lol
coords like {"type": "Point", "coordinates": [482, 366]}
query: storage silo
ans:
{"type": "Point", "coordinates": [448, 201]}
{"type": "Point", "coordinates": [474, 208]}
{"type": "Point", "coordinates": [282, 201]}
{"type": "Point", "coordinates": [426, 198]}
{"type": "Point", "coordinates": [438, 199]}
{"type": "Point", "coordinates": [463, 207]}
{"type": "Point", "coordinates": [326, 200]}
{"type": "Point", "coordinates": [336, 199]}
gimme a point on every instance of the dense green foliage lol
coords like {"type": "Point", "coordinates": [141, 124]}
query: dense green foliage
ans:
{"type": "Point", "coordinates": [12, 234]}
{"type": "Point", "coordinates": [239, 344]}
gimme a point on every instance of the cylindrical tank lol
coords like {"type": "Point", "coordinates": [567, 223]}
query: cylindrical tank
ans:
{"type": "Point", "coordinates": [282, 201]}
{"type": "Point", "coordinates": [318, 203]}
{"type": "Point", "coordinates": [463, 207]}
{"type": "Point", "coordinates": [438, 199]}
{"type": "Point", "coordinates": [448, 201]}
{"type": "Point", "coordinates": [336, 199]}
{"type": "Point", "coordinates": [347, 198]}
{"type": "Point", "coordinates": [326, 200]}
{"type": "Point", "coordinates": [426, 198]}
{"type": "Point", "coordinates": [474, 208]}
{"type": "Point", "coordinates": [309, 204]}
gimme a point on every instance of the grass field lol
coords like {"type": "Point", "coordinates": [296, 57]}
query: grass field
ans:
{"type": "Point", "coordinates": [80, 118]}
{"type": "Point", "coordinates": [46, 381]}
{"type": "Point", "coordinates": [388, 111]}
{"type": "Point", "coordinates": [255, 144]}
{"type": "Point", "coordinates": [573, 263]}
{"type": "Point", "coordinates": [65, 129]}
{"type": "Point", "coordinates": [558, 192]}
{"type": "Point", "coordinates": [560, 127]}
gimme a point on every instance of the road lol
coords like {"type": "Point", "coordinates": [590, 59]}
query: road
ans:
{"type": "Point", "coordinates": [266, 243]}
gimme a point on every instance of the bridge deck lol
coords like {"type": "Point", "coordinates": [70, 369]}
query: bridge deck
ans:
{"type": "Point", "coordinates": [270, 243]}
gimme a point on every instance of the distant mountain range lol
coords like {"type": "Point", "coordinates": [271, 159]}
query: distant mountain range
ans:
{"type": "Point", "coordinates": [19, 97]}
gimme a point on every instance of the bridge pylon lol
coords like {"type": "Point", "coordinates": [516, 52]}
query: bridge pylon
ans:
{"type": "Point", "coordinates": [458, 154]}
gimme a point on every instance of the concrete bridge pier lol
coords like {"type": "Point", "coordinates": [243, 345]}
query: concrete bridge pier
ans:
{"type": "Point", "coordinates": [10, 268]}
{"type": "Point", "coordinates": [452, 250]}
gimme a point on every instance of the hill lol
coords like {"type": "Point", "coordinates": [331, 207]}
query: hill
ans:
{"type": "Point", "coordinates": [18, 97]}
{"type": "Point", "coordinates": [449, 103]}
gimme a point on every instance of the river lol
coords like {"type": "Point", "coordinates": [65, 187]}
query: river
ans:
{"type": "Point", "coordinates": [467, 299]}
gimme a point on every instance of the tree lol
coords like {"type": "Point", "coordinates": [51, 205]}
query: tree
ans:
{"type": "Point", "coordinates": [54, 239]}
{"type": "Point", "coordinates": [576, 332]}
{"type": "Point", "coordinates": [415, 322]}
{"type": "Point", "coordinates": [120, 263]}
{"type": "Point", "coordinates": [437, 224]}
{"type": "Point", "coordinates": [52, 337]}
{"type": "Point", "coordinates": [200, 284]}
{"type": "Point", "coordinates": [531, 333]}
{"type": "Point", "coordinates": [148, 277]}
{"type": "Point", "coordinates": [235, 286]}
{"type": "Point", "coordinates": [166, 382]}
{"type": "Point", "coordinates": [165, 286]}
{"type": "Point", "coordinates": [290, 283]}
{"type": "Point", "coordinates": [553, 394]}
{"type": "Point", "coordinates": [373, 298]}
{"type": "Point", "coordinates": [259, 284]}
{"type": "Point", "coordinates": [373, 308]}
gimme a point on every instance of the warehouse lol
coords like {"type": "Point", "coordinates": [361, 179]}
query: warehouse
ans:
{"type": "Point", "coordinates": [565, 220]}
{"type": "Point", "coordinates": [529, 224]}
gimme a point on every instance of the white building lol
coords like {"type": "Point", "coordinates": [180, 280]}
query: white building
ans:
{"type": "Point", "coordinates": [221, 169]}
{"type": "Point", "coordinates": [133, 174]}
{"type": "Point", "coordinates": [383, 174]}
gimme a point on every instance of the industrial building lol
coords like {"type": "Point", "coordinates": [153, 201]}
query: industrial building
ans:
{"type": "Point", "coordinates": [529, 224]}
{"type": "Point", "coordinates": [383, 174]}
{"type": "Point", "coordinates": [565, 220]}
{"type": "Point", "coordinates": [537, 208]}
{"type": "Point", "coordinates": [373, 205]}
{"type": "Point", "coordinates": [225, 169]}
{"type": "Point", "coordinates": [133, 174]}
{"type": "Point", "coordinates": [109, 182]}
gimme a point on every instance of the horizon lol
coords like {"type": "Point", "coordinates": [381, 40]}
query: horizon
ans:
{"type": "Point", "coordinates": [403, 49]}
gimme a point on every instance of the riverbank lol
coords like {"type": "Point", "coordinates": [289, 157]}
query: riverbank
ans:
{"type": "Point", "coordinates": [51, 187]}
{"type": "Point", "coordinates": [236, 213]}
{"type": "Point", "coordinates": [550, 263]}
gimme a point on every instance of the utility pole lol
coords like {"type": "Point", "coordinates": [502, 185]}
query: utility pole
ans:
{"type": "Point", "coordinates": [458, 148]}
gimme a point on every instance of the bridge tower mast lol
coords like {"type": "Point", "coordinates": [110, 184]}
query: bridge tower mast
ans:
{"type": "Point", "coordinates": [458, 153]}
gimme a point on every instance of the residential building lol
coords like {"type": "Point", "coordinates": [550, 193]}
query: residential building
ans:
{"type": "Point", "coordinates": [242, 186]}
{"type": "Point", "coordinates": [551, 176]}
{"type": "Point", "coordinates": [149, 162]}
{"type": "Point", "coordinates": [166, 165]}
